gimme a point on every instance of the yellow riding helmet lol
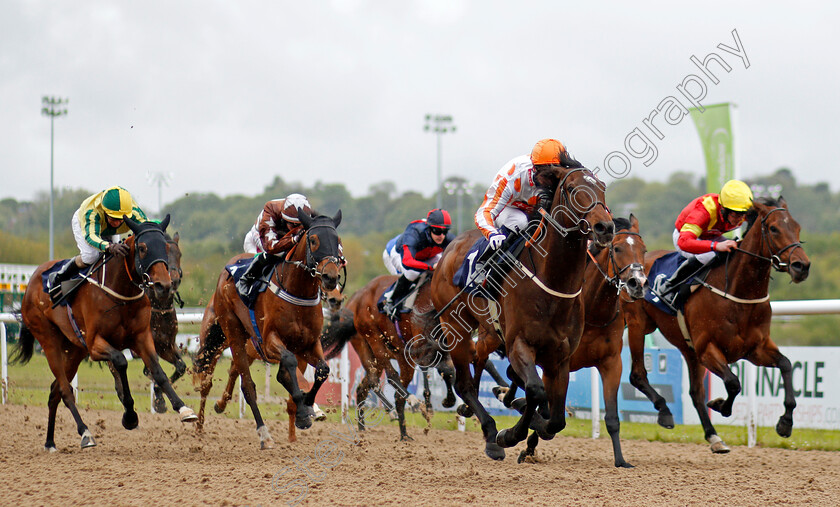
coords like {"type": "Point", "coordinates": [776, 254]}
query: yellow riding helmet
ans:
{"type": "Point", "coordinates": [736, 195]}
{"type": "Point", "coordinates": [116, 202]}
{"type": "Point", "coordinates": [547, 151]}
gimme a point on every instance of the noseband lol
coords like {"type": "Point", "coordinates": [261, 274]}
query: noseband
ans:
{"type": "Point", "coordinates": [583, 225]}
{"type": "Point", "coordinates": [616, 280]}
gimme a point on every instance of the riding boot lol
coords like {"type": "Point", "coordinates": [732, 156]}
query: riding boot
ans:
{"type": "Point", "coordinates": [64, 274]}
{"type": "Point", "coordinates": [498, 269]}
{"type": "Point", "coordinates": [392, 304]}
{"type": "Point", "coordinates": [685, 271]}
{"type": "Point", "coordinates": [253, 273]}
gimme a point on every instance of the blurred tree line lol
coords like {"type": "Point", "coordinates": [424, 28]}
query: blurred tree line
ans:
{"type": "Point", "coordinates": [212, 229]}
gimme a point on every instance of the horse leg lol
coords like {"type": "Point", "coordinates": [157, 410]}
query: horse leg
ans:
{"type": "Point", "coordinates": [287, 376]}
{"type": "Point", "coordinates": [522, 359]}
{"type": "Point", "coordinates": [150, 359]}
{"type": "Point", "coordinates": [205, 377]}
{"type": "Point", "coordinates": [404, 378]}
{"type": "Point", "coordinates": [242, 364]}
{"type": "Point", "coordinates": [515, 383]}
{"type": "Point", "coordinates": [170, 355]}
{"type": "Point", "coordinates": [696, 372]}
{"type": "Point", "coordinates": [118, 387]}
{"type": "Point", "coordinates": [490, 368]}
{"type": "Point", "coordinates": [769, 355]}
{"type": "Point", "coordinates": [447, 372]}
{"type": "Point", "coordinates": [639, 379]}
{"type": "Point", "coordinates": [464, 387]}
{"type": "Point", "coordinates": [531, 447]}
{"type": "Point", "coordinates": [610, 370]}
{"type": "Point", "coordinates": [61, 367]}
{"type": "Point", "coordinates": [120, 365]}
{"type": "Point", "coordinates": [426, 408]}
{"type": "Point", "coordinates": [227, 394]}
{"type": "Point", "coordinates": [370, 381]}
{"type": "Point", "coordinates": [715, 362]}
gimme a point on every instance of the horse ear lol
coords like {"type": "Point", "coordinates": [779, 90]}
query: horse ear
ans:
{"type": "Point", "coordinates": [176, 238]}
{"type": "Point", "coordinates": [634, 222]}
{"type": "Point", "coordinates": [164, 223]}
{"type": "Point", "coordinates": [304, 218]}
{"type": "Point", "coordinates": [337, 219]}
{"type": "Point", "coordinates": [782, 202]}
{"type": "Point", "coordinates": [131, 223]}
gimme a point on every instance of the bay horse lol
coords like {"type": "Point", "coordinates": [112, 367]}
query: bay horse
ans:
{"type": "Point", "coordinates": [164, 325]}
{"type": "Point", "coordinates": [288, 318]}
{"type": "Point", "coordinates": [110, 313]}
{"type": "Point", "coordinates": [377, 340]}
{"type": "Point", "coordinates": [540, 307]}
{"type": "Point", "coordinates": [729, 321]}
{"type": "Point", "coordinates": [612, 275]}
{"type": "Point", "coordinates": [211, 345]}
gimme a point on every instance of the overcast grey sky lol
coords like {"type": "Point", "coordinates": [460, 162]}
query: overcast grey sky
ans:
{"type": "Point", "coordinates": [227, 94]}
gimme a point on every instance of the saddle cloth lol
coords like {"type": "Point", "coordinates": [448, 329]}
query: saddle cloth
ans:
{"type": "Point", "coordinates": [237, 269]}
{"type": "Point", "coordinates": [662, 270]}
{"type": "Point", "coordinates": [45, 278]}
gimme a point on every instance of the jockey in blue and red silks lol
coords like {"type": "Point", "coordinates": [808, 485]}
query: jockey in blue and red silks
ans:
{"type": "Point", "coordinates": [416, 250]}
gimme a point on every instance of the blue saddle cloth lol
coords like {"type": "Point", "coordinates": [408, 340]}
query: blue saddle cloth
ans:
{"type": "Point", "coordinates": [236, 270]}
{"type": "Point", "coordinates": [45, 277]}
{"type": "Point", "coordinates": [662, 270]}
{"type": "Point", "coordinates": [464, 273]}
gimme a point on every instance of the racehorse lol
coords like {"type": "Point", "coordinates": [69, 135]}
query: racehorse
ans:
{"type": "Point", "coordinates": [286, 320]}
{"type": "Point", "coordinates": [540, 311]}
{"type": "Point", "coordinates": [727, 322]}
{"type": "Point", "coordinates": [164, 325]}
{"type": "Point", "coordinates": [211, 349]}
{"type": "Point", "coordinates": [377, 340]}
{"type": "Point", "coordinates": [612, 274]}
{"type": "Point", "coordinates": [109, 313]}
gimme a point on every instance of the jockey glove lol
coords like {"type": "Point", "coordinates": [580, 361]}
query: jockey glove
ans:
{"type": "Point", "coordinates": [495, 240]}
{"type": "Point", "coordinates": [119, 249]}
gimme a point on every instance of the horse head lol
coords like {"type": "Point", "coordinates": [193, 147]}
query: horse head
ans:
{"type": "Point", "coordinates": [779, 238]}
{"type": "Point", "coordinates": [324, 256]}
{"type": "Point", "coordinates": [579, 201]}
{"type": "Point", "coordinates": [627, 257]}
{"type": "Point", "coordinates": [148, 249]}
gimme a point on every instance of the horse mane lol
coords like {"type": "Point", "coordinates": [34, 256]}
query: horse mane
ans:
{"type": "Point", "coordinates": [752, 214]}
{"type": "Point", "coordinates": [621, 224]}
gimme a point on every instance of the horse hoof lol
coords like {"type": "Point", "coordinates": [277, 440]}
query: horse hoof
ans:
{"type": "Point", "coordinates": [666, 420]}
{"type": "Point", "coordinates": [392, 415]}
{"type": "Point", "coordinates": [50, 448]}
{"type": "Point", "coordinates": [448, 402]}
{"type": "Point", "coordinates": [406, 438]}
{"type": "Point", "coordinates": [494, 451]}
{"type": "Point", "coordinates": [502, 439]}
{"type": "Point", "coordinates": [529, 451]}
{"type": "Point", "coordinates": [624, 464]}
{"type": "Point", "coordinates": [716, 404]}
{"type": "Point", "coordinates": [219, 407]}
{"type": "Point", "coordinates": [499, 392]}
{"type": "Point", "coordinates": [87, 440]}
{"type": "Point", "coordinates": [160, 406]}
{"type": "Point", "coordinates": [784, 428]}
{"type": "Point", "coordinates": [187, 414]}
{"type": "Point", "coordinates": [320, 415]}
{"type": "Point", "coordinates": [266, 442]}
{"type": "Point", "coordinates": [130, 420]}
{"type": "Point", "coordinates": [464, 410]}
{"type": "Point", "coordinates": [717, 445]}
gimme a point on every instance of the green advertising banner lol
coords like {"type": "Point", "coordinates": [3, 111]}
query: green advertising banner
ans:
{"type": "Point", "coordinates": [715, 128]}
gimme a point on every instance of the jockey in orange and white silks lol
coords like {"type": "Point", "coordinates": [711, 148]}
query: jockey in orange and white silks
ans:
{"type": "Point", "coordinates": [516, 189]}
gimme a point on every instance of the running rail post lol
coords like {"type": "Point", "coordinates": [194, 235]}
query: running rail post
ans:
{"type": "Point", "coordinates": [344, 372]}
{"type": "Point", "coordinates": [5, 380]}
{"type": "Point", "coordinates": [596, 402]}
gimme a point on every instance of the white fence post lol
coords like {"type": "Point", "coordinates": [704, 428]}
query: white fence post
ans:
{"type": "Point", "coordinates": [5, 373]}
{"type": "Point", "coordinates": [596, 402]}
{"type": "Point", "coordinates": [344, 367]}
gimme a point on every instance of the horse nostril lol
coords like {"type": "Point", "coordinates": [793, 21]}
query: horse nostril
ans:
{"type": "Point", "coordinates": [633, 284]}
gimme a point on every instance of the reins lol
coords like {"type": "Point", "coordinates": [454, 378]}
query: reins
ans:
{"type": "Point", "coordinates": [309, 265]}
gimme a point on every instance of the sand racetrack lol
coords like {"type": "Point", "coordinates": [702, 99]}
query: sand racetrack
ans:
{"type": "Point", "coordinates": [164, 462]}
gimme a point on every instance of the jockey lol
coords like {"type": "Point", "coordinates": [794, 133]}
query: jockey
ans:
{"type": "Point", "coordinates": [279, 229]}
{"type": "Point", "coordinates": [416, 250]}
{"type": "Point", "coordinates": [97, 225]}
{"type": "Point", "coordinates": [698, 233]}
{"type": "Point", "coordinates": [517, 189]}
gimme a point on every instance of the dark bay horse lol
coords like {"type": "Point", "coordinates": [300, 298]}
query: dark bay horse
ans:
{"type": "Point", "coordinates": [540, 307]}
{"type": "Point", "coordinates": [377, 340]}
{"type": "Point", "coordinates": [164, 325]}
{"type": "Point", "coordinates": [612, 274]}
{"type": "Point", "coordinates": [726, 319]}
{"type": "Point", "coordinates": [211, 345]}
{"type": "Point", "coordinates": [111, 314]}
{"type": "Point", "coordinates": [287, 317]}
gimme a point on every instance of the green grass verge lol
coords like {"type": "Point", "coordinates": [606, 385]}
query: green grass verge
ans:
{"type": "Point", "coordinates": [29, 384]}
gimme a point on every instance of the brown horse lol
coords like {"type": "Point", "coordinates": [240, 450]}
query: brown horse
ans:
{"type": "Point", "coordinates": [286, 323]}
{"type": "Point", "coordinates": [111, 313]}
{"type": "Point", "coordinates": [164, 325]}
{"type": "Point", "coordinates": [377, 340]}
{"type": "Point", "coordinates": [729, 321]}
{"type": "Point", "coordinates": [613, 270]}
{"type": "Point", "coordinates": [540, 307]}
{"type": "Point", "coordinates": [210, 350]}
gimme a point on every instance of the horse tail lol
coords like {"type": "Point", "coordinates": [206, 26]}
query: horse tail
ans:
{"type": "Point", "coordinates": [426, 323]}
{"type": "Point", "coordinates": [25, 346]}
{"type": "Point", "coordinates": [338, 330]}
{"type": "Point", "coordinates": [210, 349]}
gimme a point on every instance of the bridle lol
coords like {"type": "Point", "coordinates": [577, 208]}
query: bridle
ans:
{"type": "Point", "coordinates": [616, 280]}
{"type": "Point", "coordinates": [142, 266]}
{"type": "Point", "coordinates": [583, 226]}
{"type": "Point", "coordinates": [775, 258]}
{"type": "Point", "coordinates": [310, 264]}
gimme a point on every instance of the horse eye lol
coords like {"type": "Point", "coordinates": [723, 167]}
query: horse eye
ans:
{"type": "Point", "coordinates": [618, 250]}
{"type": "Point", "coordinates": [773, 229]}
